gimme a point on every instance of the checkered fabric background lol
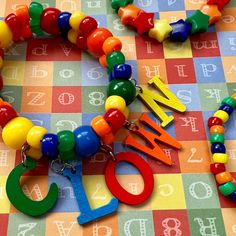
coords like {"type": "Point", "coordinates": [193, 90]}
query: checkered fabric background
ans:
{"type": "Point", "coordinates": [55, 85]}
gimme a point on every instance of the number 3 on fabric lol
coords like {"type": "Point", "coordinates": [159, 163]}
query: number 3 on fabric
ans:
{"type": "Point", "coordinates": [20, 201]}
{"type": "Point", "coordinates": [87, 214]}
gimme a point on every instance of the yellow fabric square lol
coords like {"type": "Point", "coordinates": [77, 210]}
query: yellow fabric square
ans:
{"type": "Point", "coordinates": [168, 192]}
{"type": "Point", "coordinates": [4, 202]}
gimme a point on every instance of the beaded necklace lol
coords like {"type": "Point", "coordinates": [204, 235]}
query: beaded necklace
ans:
{"type": "Point", "coordinates": [85, 141]}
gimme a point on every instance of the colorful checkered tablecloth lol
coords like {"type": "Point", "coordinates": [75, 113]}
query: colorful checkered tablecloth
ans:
{"type": "Point", "coordinates": [55, 85]}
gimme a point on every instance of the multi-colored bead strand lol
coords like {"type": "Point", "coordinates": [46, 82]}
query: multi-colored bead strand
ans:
{"type": "Point", "coordinates": [220, 157]}
{"type": "Point", "coordinates": [179, 31]}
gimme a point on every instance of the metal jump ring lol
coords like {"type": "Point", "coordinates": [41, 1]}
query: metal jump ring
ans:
{"type": "Point", "coordinates": [24, 149]}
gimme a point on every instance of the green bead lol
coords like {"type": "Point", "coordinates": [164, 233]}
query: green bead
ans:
{"type": "Point", "coordinates": [199, 22]}
{"type": "Point", "coordinates": [227, 188]}
{"type": "Point", "coordinates": [66, 140]}
{"type": "Point", "coordinates": [229, 101]}
{"type": "Point", "coordinates": [35, 11]}
{"type": "Point", "coordinates": [114, 58]}
{"type": "Point", "coordinates": [68, 156]}
{"type": "Point", "coordinates": [217, 138]}
{"type": "Point", "coordinates": [122, 88]}
{"type": "Point", "coordinates": [116, 4]}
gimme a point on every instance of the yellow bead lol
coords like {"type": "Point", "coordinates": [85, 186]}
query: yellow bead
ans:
{"type": "Point", "coordinates": [5, 35]}
{"type": "Point", "coordinates": [1, 63]}
{"type": "Point", "coordinates": [72, 36]}
{"type": "Point", "coordinates": [222, 115]}
{"type": "Point", "coordinates": [220, 158]}
{"type": "Point", "coordinates": [76, 19]}
{"type": "Point", "coordinates": [34, 153]}
{"type": "Point", "coordinates": [35, 135]}
{"type": "Point", "coordinates": [14, 134]}
{"type": "Point", "coordinates": [115, 102]}
{"type": "Point", "coordinates": [161, 30]}
{"type": "Point", "coordinates": [126, 113]}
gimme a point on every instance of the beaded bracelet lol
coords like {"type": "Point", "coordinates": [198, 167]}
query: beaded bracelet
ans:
{"type": "Point", "coordinates": [144, 22]}
{"type": "Point", "coordinates": [220, 158]}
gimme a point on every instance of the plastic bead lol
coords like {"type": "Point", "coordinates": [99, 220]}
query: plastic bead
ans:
{"type": "Point", "coordinates": [66, 141]}
{"type": "Point", "coordinates": [227, 109]}
{"type": "Point", "coordinates": [49, 146]}
{"type": "Point", "coordinates": [87, 25]}
{"type": "Point", "coordinates": [35, 11]}
{"type": "Point", "coordinates": [15, 132]}
{"type": "Point", "coordinates": [76, 19]}
{"type": "Point", "coordinates": [199, 22]}
{"type": "Point", "coordinates": [222, 115]}
{"type": "Point", "coordinates": [121, 71]}
{"type": "Point", "coordinates": [35, 135]}
{"type": "Point", "coordinates": [220, 3]}
{"type": "Point", "coordinates": [212, 11]}
{"type": "Point", "coordinates": [233, 196]}
{"type": "Point", "coordinates": [63, 23]}
{"type": "Point", "coordinates": [7, 113]}
{"type": "Point", "coordinates": [100, 126]}
{"type": "Point", "coordinates": [5, 35]}
{"type": "Point", "coordinates": [115, 119]}
{"type": "Point", "coordinates": [116, 4]}
{"type": "Point", "coordinates": [103, 61]}
{"type": "Point", "coordinates": [218, 148]}
{"type": "Point", "coordinates": [220, 158]}
{"type": "Point", "coordinates": [108, 139]}
{"type": "Point", "coordinates": [1, 83]}
{"type": "Point", "coordinates": [22, 13]}
{"type": "Point", "coordinates": [49, 21]}
{"type": "Point", "coordinates": [143, 22]}
{"type": "Point", "coordinates": [217, 129]}
{"type": "Point", "coordinates": [115, 58]}
{"type": "Point", "coordinates": [14, 25]}
{"type": "Point", "coordinates": [81, 43]}
{"type": "Point", "coordinates": [217, 138]}
{"type": "Point", "coordinates": [111, 44]}
{"type": "Point", "coordinates": [223, 177]}
{"type": "Point", "coordinates": [180, 31]}
{"type": "Point", "coordinates": [122, 88]}
{"type": "Point", "coordinates": [227, 188]}
{"type": "Point", "coordinates": [96, 39]}
{"type": "Point", "coordinates": [34, 153]}
{"type": "Point", "coordinates": [229, 101]}
{"type": "Point", "coordinates": [126, 113]}
{"type": "Point", "coordinates": [217, 168]}
{"type": "Point", "coordinates": [214, 121]}
{"type": "Point", "coordinates": [72, 36]}
{"type": "Point", "coordinates": [115, 102]}
{"type": "Point", "coordinates": [68, 156]}
{"type": "Point", "coordinates": [87, 141]}
{"type": "Point", "coordinates": [128, 13]}
{"type": "Point", "coordinates": [161, 30]}
{"type": "Point", "coordinates": [1, 63]}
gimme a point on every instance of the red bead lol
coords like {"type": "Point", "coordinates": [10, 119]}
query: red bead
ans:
{"type": "Point", "coordinates": [1, 53]}
{"type": "Point", "coordinates": [214, 121]}
{"type": "Point", "coordinates": [115, 119]}
{"type": "Point", "coordinates": [1, 83]}
{"type": "Point", "coordinates": [217, 168]}
{"type": "Point", "coordinates": [15, 26]}
{"type": "Point", "coordinates": [220, 3]}
{"type": "Point", "coordinates": [87, 25]}
{"type": "Point", "coordinates": [143, 22]}
{"type": "Point", "coordinates": [49, 22]}
{"type": "Point", "coordinates": [6, 114]}
{"type": "Point", "coordinates": [96, 39]}
{"type": "Point", "coordinates": [81, 43]}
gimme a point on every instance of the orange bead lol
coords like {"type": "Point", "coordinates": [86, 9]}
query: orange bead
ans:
{"type": "Point", "coordinates": [108, 139]}
{"type": "Point", "coordinates": [3, 103]}
{"type": "Point", "coordinates": [111, 44]}
{"type": "Point", "coordinates": [217, 129]}
{"type": "Point", "coordinates": [96, 39]}
{"type": "Point", "coordinates": [223, 177]}
{"type": "Point", "coordinates": [100, 126]}
{"type": "Point", "coordinates": [212, 11]}
{"type": "Point", "coordinates": [103, 61]}
{"type": "Point", "coordinates": [233, 96]}
{"type": "Point", "coordinates": [128, 13]}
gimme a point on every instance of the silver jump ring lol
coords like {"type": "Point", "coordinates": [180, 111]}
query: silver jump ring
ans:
{"type": "Point", "coordinates": [24, 149]}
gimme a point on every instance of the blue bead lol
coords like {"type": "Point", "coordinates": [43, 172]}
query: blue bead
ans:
{"type": "Point", "coordinates": [218, 148]}
{"type": "Point", "coordinates": [233, 196]}
{"type": "Point", "coordinates": [87, 143]}
{"type": "Point", "coordinates": [49, 146]}
{"type": "Point", "coordinates": [181, 31]}
{"type": "Point", "coordinates": [227, 109]}
{"type": "Point", "coordinates": [63, 23]}
{"type": "Point", "coordinates": [121, 71]}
